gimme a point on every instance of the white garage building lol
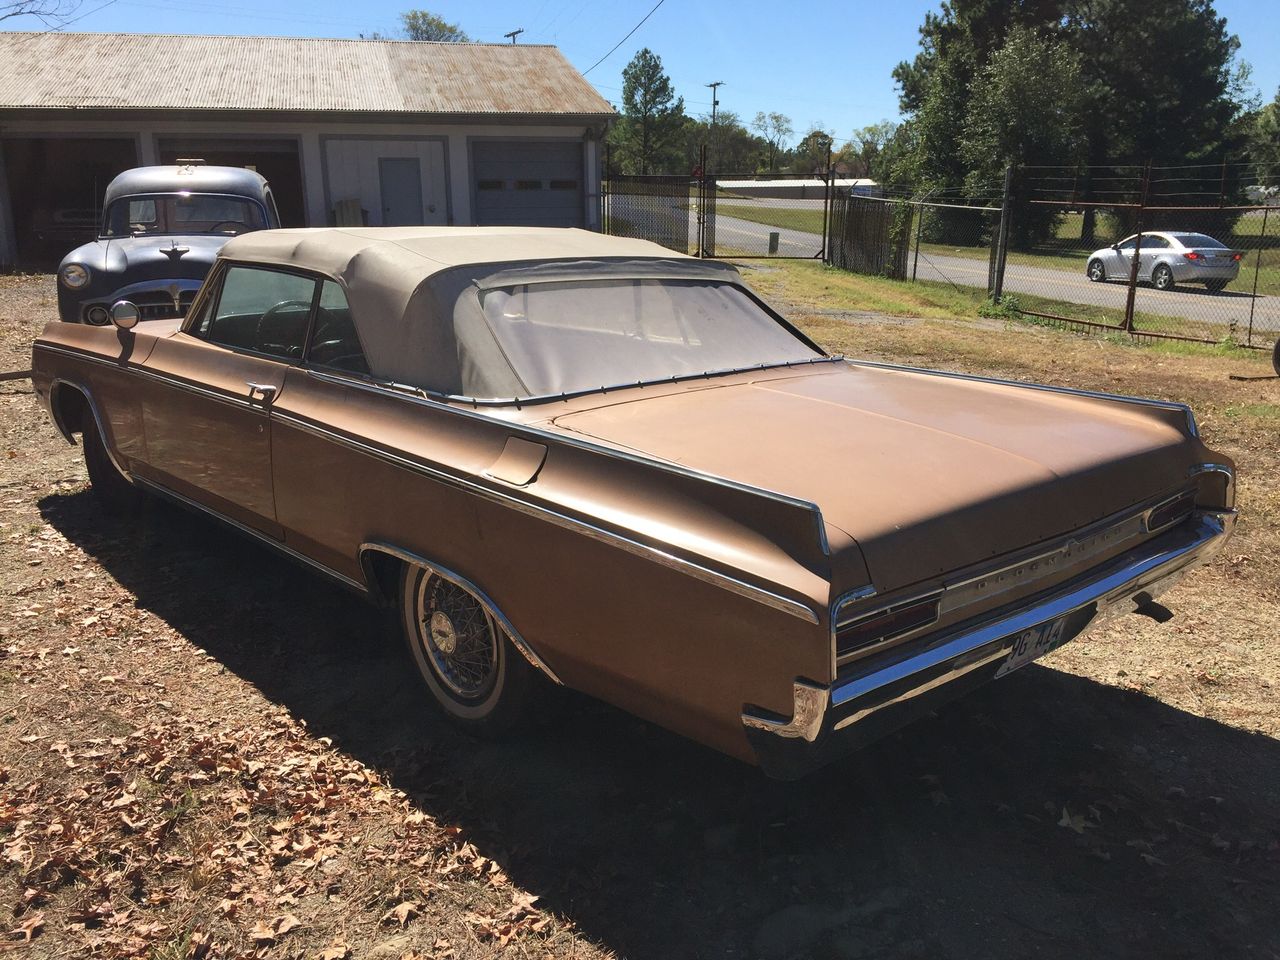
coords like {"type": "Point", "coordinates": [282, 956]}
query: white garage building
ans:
{"type": "Point", "coordinates": [380, 132]}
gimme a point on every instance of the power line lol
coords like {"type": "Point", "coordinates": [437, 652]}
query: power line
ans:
{"type": "Point", "coordinates": [624, 39]}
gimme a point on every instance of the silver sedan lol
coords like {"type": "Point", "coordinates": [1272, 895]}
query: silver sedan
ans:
{"type": "Point", "coordinates": [1167, 258]}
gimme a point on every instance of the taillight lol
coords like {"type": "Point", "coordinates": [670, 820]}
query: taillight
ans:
{"type": "Point", "coordinates": [1237, 256]}
{"type": "Point", "coordinates": [1171, 511]}
{"type": "Point", "coordinates": [885, 625]}
{"type": "Point", "coordinates": [1192, 255]}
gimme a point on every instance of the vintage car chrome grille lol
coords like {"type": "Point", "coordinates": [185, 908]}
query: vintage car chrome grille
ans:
{"type": "Point", "coordinates": [908, 616]}
{"type": "Point", "coordinates": [153, 305]}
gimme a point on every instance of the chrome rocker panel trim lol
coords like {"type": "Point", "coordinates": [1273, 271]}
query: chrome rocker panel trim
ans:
{"type": "Point", "coordinates": [885, 694]}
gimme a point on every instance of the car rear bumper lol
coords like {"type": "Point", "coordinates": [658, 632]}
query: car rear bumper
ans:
{"type": "Point", "coordinates": [887, 693]}
{"type": "Point", "coordinates": [1188, 272]}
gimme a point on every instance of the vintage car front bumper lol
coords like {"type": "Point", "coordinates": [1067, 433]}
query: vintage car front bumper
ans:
{"type": "Point", "coordinates": [160, 299]}
{"type": "Point", "coordinates": [886, 693]}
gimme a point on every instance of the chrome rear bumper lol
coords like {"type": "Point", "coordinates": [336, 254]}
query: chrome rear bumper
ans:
{"type": "Point", "coordinates": [888, 692]}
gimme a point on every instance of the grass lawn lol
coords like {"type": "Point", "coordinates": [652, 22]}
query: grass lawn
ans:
{"type": "Point", "coordinates": [806, 221]}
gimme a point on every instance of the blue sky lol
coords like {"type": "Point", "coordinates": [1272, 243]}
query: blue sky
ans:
{"type": "Point", "coordinates": [819, 62]}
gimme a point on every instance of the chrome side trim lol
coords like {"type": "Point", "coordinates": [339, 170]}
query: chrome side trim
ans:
{"type": "Point", "coordinates": [1222, 468]}
{"type": "Point", "coordinates": [512, 633]}
{"type": "Point", "coordinates": [1192, 429]}
{"type": "Point", "coordinates": [519, 428]}
{"type": "Point", "coordinates": [176, 383]}
{"type": "Point", "coordinates": [276, 545]}
{"type": "Point", "coordinates": [706, 574]}
{"type": "Point", "coordinates": [810, 706]}
{"type": "Point", "coordinates": [97, 419]}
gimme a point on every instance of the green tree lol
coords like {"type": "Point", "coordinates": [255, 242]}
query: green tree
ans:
{"type": "Point", "coordinates": [1264, 144]}
{"type": "Point", "coordinates": [864, 153]}
{"type": "Point", "coordinates": [775, 129]}
{"type": "Point", "coordinates": [1027, 108]}
{"type": "Point", "coordinates": [812, 152]}
{"type": "Point", "coordinates": [737, 149]}
{"type": "Point", "coordinates": [424, 25]}
{"type": "Point", "coordinates": [647, 135]}
{"type": "Point", "coordinates": [1160, 81]}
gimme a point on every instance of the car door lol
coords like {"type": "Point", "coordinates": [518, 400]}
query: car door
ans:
{"type": "Point", "coordinates": [1121, 261]}
{"type": "Point", "coordinates": [206, 410]}
{"type": "Point", "coordinates": [1153, 247]}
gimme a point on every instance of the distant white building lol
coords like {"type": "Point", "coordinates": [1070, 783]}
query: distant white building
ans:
{"type": "Point", "coordinates": [373, 131]}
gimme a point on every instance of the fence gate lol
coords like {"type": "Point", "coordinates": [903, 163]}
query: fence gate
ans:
{"type": "Point", "coordinates": [657, 208]}
{"type": "Point", "coordinates": [722, 215]}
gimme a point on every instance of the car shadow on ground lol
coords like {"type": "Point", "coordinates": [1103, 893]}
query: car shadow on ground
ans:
{"type": "Point", "coordinates": [1046, 815]}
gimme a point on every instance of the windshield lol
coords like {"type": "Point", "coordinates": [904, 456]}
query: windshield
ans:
{"type": "Point", "coordinates": [1198, 240]}
{"type": "Point", "coordinates": [567, 337]}
{"type": "Point", "coordinates": [181, 213]}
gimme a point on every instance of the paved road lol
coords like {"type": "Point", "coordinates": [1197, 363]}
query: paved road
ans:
{"type": "Point", "coordinates": [1192, 303]}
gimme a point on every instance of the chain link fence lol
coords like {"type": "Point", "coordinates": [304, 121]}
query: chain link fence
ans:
{"type": "Point", "coordinates": [1167, 252]}
{"type": "Point", "coordinates": [1149, 251]}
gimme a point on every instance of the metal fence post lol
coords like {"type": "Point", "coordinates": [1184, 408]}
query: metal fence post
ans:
{"type": "Point", "coordinates": [1257, 265]}
{"type": "Point", "coordinates": [826, 205]}
{"type": "Point", "coordinates": [1137, 252]}
{"type": "Point", "coordinates": [1002, 240]}
{"type": "Point", "coordinates": [915, 263]}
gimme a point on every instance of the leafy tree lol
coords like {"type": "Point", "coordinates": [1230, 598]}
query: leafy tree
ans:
{"type": "Point", "coordinates": [1264, 143]}
{"type": "Point", "coordinates": [865, 151]}
{"type": "Point", "coordinates": [1027, 108]}
{"type": "Point", "coordinates": [738, 150]}
{"type": "Point", "coordinates": [812, 152]}
{"type": "Point", "coordinates": [775, 129]}
{"type": "Point", "coordinates": [424, 25]}
{"type": "Point", "coordinates": [1159, 80]}
{"type": "Point", "coordinates": [647, 135]}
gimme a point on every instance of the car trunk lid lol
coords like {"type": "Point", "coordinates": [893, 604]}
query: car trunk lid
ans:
{"type": "Point", "coordinates": [926, 473]}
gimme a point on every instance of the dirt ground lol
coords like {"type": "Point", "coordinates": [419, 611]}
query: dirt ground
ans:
{"type": "Point", "coordinates": [206, 751]}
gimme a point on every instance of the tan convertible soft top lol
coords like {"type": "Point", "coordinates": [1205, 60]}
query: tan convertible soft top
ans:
{"type": "Point", "coordinates": [407, 287]}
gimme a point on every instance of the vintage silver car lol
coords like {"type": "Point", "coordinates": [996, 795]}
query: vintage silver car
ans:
{"type": "Point", "coordinates": [1167, 258]}
{"type": "Point", "coordinates": [593, 459]}
{"type": "Point", "coordinates": [162, 228]}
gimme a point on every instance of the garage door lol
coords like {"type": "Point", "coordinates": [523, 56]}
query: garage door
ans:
{"type": "Point", "coordinates": [528, 182]}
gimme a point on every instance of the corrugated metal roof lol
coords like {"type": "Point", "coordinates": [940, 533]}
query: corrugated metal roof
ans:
{"type": "Point", "coordinates": [97, 71]}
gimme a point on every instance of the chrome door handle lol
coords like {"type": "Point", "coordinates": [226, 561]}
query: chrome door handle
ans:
{"type": "Point", "coordinates": [266, 390]}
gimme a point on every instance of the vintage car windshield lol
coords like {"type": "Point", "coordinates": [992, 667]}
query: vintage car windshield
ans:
{"type": "Point", "coordinates": [182, 213]}
{"type": "Point", "coordinates": [566, 337]}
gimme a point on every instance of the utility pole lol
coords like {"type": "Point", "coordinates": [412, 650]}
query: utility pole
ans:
{"type": "Point", "coordinates": [513, 34]}
{"type": "Point", "coordinates": [715, 102]}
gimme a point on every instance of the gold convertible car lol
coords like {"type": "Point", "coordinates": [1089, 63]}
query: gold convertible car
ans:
{"type": "Point", "coordinates": [592, 459]}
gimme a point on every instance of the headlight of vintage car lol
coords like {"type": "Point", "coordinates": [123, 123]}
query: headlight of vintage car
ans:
{"type": "Point", "coordinates": [74, 276]}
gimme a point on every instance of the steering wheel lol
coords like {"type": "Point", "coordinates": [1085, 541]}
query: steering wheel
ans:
{"type": "Point", "coordinates": [272, 313]}
{"type": "Point", "coordinates": [239, 226]}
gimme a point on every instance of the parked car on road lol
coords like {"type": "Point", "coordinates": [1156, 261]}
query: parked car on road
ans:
{"type": "Point", "coordinates": [590, 458]}
{"type": "Point", "coordinates": [162, 228]}
{"type": "Point", "coordinates": [1167, 258]}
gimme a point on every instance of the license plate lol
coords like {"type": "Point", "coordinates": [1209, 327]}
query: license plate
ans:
{"type": "Point", "coordinates": [1033, 644]}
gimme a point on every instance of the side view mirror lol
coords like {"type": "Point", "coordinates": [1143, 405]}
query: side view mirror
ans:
{"type": "Point", "coordinates": [1115, 246]}
{"type": "Point", "coordinates": [125, 314]}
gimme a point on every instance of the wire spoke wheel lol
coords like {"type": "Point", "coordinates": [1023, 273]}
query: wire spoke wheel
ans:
{"type": "Point", "coordinates": [458, 637]}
